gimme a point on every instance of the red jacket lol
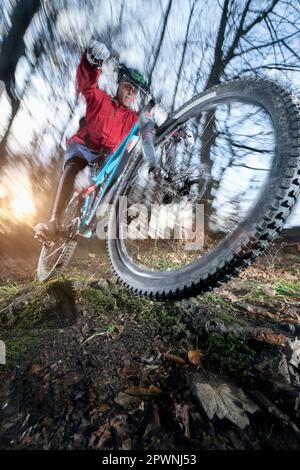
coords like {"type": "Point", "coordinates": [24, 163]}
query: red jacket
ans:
{"type": "Point", "coordinates": [106, 121]}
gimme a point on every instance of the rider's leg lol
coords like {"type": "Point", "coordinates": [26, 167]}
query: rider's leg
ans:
{"type": "Point", "coordinates": [65, 186]}
{"type": "Point", "coordinates": [63, 194]}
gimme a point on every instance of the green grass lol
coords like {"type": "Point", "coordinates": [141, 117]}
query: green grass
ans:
{"type": "Point", "coordinates": [8, 292]}
{"type": "Point", "coordinates": [214, 299]}
{"type": "Point", "coordinates": [283, 290]}
{"type": "Point", "coordinates": [288, 289]}
{"type": "Point", "coordinates": [161, 264]}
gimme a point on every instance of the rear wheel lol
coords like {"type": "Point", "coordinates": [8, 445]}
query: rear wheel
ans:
{"type": "Point", "coordinates": [241, 176]}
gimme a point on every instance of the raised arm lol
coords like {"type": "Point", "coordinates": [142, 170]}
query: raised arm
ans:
{"type": "Point", "coordinates": [89, 69]}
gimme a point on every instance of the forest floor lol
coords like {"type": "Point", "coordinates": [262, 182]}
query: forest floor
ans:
{"type": "Point", "coordinates": [90, 366]}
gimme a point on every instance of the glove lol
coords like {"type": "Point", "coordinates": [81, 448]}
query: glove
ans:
{"type": "Point", "coordinates": [97, 52]}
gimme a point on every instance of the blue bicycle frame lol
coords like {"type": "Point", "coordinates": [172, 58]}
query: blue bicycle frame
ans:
{"type": "Point", "coordinates": [102, 182]}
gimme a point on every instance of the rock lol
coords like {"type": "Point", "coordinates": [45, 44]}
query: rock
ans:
{"type": "Point", "coordinates": [215, 326]}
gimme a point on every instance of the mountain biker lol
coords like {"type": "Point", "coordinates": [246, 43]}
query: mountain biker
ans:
{"type": "Point", "coordinates": [106, 123]}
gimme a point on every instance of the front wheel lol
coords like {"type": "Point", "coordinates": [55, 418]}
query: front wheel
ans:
{"type": "Point", "coordinates": [246, 135]}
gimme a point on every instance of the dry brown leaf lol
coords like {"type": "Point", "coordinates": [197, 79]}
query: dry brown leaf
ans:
{"type": "Point", "coordinates": [230, 296]}
{"type": "Point", "coordinates": [127, 401]}
{"type": "Point", "coordinates": [104, 435]}
{"type": "Point", "coordinates": [120, 328]}
{"type": "Point", "coordinates": [136, 391]}
{"type": "Point", "coordinates": [277, 339]}
{"type": "Point", "coordinates": [154, 423]}
{"type": "Point", "coordinates": [176, 359]}
{"type": "Point", "coordinates": [103, 408]}
{"type": "Point", "coordinates": [127, 444]}
{"type": "Point", "coordinates": [195, 357]}
{"type": "Point", "coordinates": [119, 423]}
{"type": "Point", "coordinates": [130, 371]}
{"type": "Point", "coordinates": [70, 378]}
{"type": "Point", "coordinates": [35, 369]}
{"type": "Point", "coordinates": [269, 290]}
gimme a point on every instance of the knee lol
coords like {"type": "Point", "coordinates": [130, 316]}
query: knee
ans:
{"type": "Point", "coordinates": [75, 164]}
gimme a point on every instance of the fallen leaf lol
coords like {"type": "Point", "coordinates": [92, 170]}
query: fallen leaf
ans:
{"type": "Point", "coordinates": [269, 290]}
{"type": "Point", "coordinates": [224, 403]}
{"type": "Point", "coordinates": [136, 391]}
{"type": "Point", "coordinates": [119, 423]}
{"type": "Point", "coordinates": [155, 421]}
{"type": "Point", "coordinates": [103, 408]}
{"type": "Point", "coordinates": [69, 378]}
{"type": "Point", "coordinates": [276, 339]}
{"type": "Point", "coordinates": [195, 357]}
{"type": "Point", "coordinates": [120, 328]}
{"type": "Point", "coordinates": [35, 369]}
{"type": "Point", "coordinates": [230, 296]}
{"type": "Point", "coordinates": [127, 401]}
{"type": "Point", "coordinates": [104, 435]}
{"type": "Point", "coordinates": [130, 371]}
{"type": "Point", "coordinates": [176, 359]}
{"type": "Point", "coordinates": [152, 367]}
{"type": "Point", "coordinates": [127, 444]}
{"type": "Point", "coordinates": [183, 417]}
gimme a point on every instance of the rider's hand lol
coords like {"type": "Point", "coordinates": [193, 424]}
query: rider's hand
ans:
{"type": "Point", "coordinates": [96, 53]}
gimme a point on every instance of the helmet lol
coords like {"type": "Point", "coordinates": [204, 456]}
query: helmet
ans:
{"type": "Point", "coordinates": [132, 76]}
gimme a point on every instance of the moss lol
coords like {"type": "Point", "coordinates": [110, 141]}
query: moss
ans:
{"type": "Point", "coordinates": [20, 348]}
{"type": "Point", "coordinates": [51, 305]}
{"type": "Point", "coordinates": [161, 318]}
{"type": "Point", "coordinates": [228, 353]}
{"type": "Point", "coordinates": [98, 299]}
{"type": "Point", "coordinates": [226, 319]}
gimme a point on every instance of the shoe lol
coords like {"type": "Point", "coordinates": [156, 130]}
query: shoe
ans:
{"type": "Point", "coordinates": [46, 230]}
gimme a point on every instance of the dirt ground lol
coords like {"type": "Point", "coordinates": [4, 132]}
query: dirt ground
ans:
{"type": "Point", "coordinates": [89, 366]}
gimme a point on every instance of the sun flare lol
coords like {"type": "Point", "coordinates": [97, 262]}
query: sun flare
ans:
{"type": "Point", "coordinates": [22, 205]}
